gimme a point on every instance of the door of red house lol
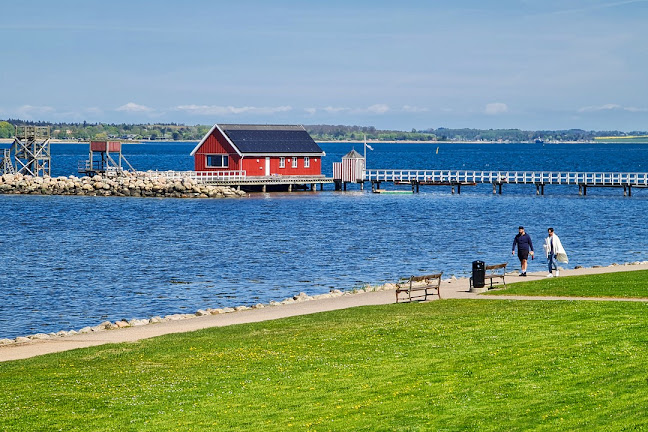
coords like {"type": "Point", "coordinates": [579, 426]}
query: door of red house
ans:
{"type": "Point", "coordinates": [267, 170]}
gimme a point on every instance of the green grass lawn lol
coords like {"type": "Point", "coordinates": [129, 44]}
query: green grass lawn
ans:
{"type": "Point", "coordinates": [450, 365]}
{"type": "Point", "coordinates": [630, 284]}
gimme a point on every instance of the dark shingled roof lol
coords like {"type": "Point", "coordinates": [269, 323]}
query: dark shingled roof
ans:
{"type": "Point", "coordinates": [271, 138]}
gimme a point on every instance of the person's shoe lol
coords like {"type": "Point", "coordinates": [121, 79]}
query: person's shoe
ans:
{"type": "Point", "coordinates": [557, 273]}
{"type": "Point", "coordinates": [549, 275]}
{"type": "Point", "coordinates": [524, 274]}
{"type": "Point", "coordinates": [521, 273]}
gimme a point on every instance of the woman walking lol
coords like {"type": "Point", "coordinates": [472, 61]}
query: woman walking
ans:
{"type": "Point", "coordinates": [555, 252]}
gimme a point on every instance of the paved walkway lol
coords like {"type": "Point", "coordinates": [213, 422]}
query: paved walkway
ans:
{"type": "Point", "coordinates": [458, 289]}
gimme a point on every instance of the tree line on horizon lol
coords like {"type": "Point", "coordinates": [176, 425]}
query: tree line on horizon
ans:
{"type": "Point", "coordinates": [84, 131]}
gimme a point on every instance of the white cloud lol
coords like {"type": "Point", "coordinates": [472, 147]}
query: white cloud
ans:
{"type": "Point", "coordinates": [496, 108]}
{"type": "Point", "coordinates": [310, 111]}
{"type": "Point", "coordinates": [378, 108]}
{"type": "Point", "coordinates": [29, 111]}
{"type": "Point", "coordinates": [134, 108]}
{"type": "Point", "coordinates": [373, 109]}
{"type": "Point", "coordinates": [334, 110]}
{"type": "Point", "coordinates": [610, 107]}
{"type": "Point", "coordinates": [229, 110]}
{"type": "Point", "coordinates": [414, 109]}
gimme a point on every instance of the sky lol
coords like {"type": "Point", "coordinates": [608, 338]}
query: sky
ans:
{"type": "Point", "coordinates": [534, 65]}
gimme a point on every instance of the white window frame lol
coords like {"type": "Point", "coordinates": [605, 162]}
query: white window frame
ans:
{"type": "Point", "coordinates": [294, 162]}
{"type": "Point", "coordinates": [282, 162]}
{"type": "Point", "coordinates": [223, 158]}
{"type": "Point", "coordinates": [306, 162]}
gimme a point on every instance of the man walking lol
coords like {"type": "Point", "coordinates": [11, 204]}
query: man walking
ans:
{"type": "Point", "coordinates": [555, 252]}
{"type": "Point", "coordinates": [524, 246]}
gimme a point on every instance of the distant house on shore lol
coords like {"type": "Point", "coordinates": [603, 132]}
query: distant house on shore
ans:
{"type": "Point", "coordinates": [259, 150]}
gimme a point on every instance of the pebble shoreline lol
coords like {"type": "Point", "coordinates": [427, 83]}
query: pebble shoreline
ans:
{"type": "Point", "coordinates": [140, 184]}
{"type": "Point", "coordinates": [301, 297]}
{"type": "Point", "coordinates": [107, 325]}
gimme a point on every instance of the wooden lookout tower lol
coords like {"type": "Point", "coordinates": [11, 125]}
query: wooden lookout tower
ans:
{"type": "Point", "coordinates": [6, 166]}
{"type": "Point", "coordinates": [31, 150]}
{"type": "Point", "coordinates": [105, 157]}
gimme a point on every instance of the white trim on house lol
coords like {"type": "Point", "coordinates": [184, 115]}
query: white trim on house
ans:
{"type": "Point", "coordinates": [287, 155]}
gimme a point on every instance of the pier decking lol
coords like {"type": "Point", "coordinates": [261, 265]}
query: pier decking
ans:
{"type": "Point", "coordinates": [417, 178]}
{"type": "Point", "coordinates": [458, 178]}
{"type": "Point", "coordinates": [239, 179]}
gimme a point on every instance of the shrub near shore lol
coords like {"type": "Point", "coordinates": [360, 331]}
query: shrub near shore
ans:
{"type": "Point", "coordinates": [128, 184]}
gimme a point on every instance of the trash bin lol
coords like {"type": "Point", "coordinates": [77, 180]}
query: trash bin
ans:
{"type": "Point", "coordinates": [478, 274]}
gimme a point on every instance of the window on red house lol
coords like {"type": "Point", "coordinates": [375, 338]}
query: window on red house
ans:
{"type": "Point", "coordinates": [217, 161]}
{"type": "Point", "coordinates": [294, 164]}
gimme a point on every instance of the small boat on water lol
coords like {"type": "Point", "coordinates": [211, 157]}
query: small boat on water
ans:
{"type": "Point", "coordinates": [393, 192]}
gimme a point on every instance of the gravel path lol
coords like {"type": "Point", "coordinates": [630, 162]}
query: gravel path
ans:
{"type": "Point", "coordinates": [449, 289]}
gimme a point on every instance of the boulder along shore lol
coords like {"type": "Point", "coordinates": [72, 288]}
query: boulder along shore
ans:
{"type": "Point", "coordinates": [128, 184]}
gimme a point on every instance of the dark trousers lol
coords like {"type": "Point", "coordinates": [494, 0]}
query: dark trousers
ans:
{"type": "Point", "coordinates": [551, 261]}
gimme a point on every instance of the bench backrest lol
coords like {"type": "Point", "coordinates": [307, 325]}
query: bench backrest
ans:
{"type": "Point", "coordinates": [496, 266]}
{"type": "Point", "coordinates": [426, 278]}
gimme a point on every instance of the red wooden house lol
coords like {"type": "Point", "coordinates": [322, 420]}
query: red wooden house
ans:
{"type": "Point", "coordinates": [259, 150]}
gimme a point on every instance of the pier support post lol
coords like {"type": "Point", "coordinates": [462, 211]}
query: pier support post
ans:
{"type": "Point", "coordinates": [290, 188]}
{"type": "Point", "coordinates": [537, 189]}
{"type": "Point", "coordinates": [362, 185]}
{"type": "Point", "coordinates": [452, 189]}
{"type": "Point", "coordinates": [263, 188]}
{"type": "Point", "coordinates": [500, 188]}
{"type": "Point", "coordinates": [542, 189]}
{"type": "Point", "coordinates": [458, 189]}
{"type": "Point", "coordinates": [629, 190]}
{"type": "Point", "coordinates": [584, 190]}
{"type": "Point", "coordinates": [344, 187]}
{"type": "Point", "coordinates": [417, 187]}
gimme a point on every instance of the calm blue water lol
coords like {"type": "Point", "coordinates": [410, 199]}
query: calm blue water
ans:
{"type": "Point", "coordinates": [68, 262]}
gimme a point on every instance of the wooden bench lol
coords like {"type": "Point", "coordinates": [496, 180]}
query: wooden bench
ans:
{"type": "Point", "coordinates": [420, 287]}
{"type": "Point", "coordinates": [496, 271]}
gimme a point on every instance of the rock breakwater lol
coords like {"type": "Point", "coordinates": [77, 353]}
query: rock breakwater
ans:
{"type": "Point", "coordinates": [129, 184]}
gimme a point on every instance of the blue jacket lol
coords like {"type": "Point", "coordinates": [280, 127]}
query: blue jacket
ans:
{"type": "Point", "coordinates": [523, 242]}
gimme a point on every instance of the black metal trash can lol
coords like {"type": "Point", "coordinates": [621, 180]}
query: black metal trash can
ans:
{"type": "Point", "coordinates": [478, 274]}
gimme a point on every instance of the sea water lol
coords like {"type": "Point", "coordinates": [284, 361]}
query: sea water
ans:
{"type": "Point", "coordinates": [67, 262]}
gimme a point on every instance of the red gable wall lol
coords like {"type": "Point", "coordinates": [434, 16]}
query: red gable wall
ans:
{"type": "Point", "coordinates": [216, 143]}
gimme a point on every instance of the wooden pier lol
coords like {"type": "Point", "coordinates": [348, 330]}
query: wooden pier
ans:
{"type": "Point", "coordinates": [240, 180]}
{"type": "Point", "coordinates": [455, 179]}
{"type": "Point", "coordinates": [458, 178]}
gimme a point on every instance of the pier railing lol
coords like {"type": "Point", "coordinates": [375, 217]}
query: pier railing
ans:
{"type": "Point", "coordinates": [499, 177]}
{"type": "Point", "coordinates": [200, 176]}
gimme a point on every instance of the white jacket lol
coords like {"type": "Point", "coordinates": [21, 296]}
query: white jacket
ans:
{"type": "Point", "coordinates": [561, 255]}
